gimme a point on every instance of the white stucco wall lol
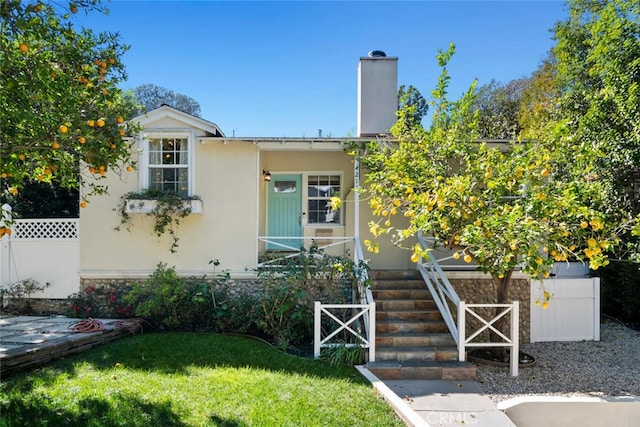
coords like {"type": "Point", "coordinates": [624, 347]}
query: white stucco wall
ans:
{"type": "Point", "coordinates": [226, 179]}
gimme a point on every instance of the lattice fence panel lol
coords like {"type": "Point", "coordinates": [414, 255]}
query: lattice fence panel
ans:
{"type": "Point", "coordinates": [45, 229]}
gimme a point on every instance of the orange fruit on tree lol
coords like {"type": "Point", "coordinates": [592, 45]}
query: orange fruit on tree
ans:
{"type": "Point", "coordinates": [82, 140]}
{"type": "Point", "coordinates": [3, 175]}
{"type": "Point", "coordinates": [21, 156]}
{"type": "Point", "coordinates": [83, 205]}
{"type": "Point", "coordinates": [23, 48]}
{"type": "Point", "coordinates": [100, 123]}
{"type": "Point", "coordinates": [112, 61]}
{"type": "Point", "coordinates": [63, 129]}
{"type": "Point", "coordinates": [129, 168]}
{"type": "Point", "coordinates": [120, 119]}
{"type": "Point", "coordinates": [91, 123]}
{"type": "Point", "coordinates": [467, 258]}
{"type": "Point", "coordinates": [55, 145]}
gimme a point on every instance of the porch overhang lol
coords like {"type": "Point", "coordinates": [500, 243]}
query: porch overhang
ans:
{"type": "Point", "coordinates": [287, 144]}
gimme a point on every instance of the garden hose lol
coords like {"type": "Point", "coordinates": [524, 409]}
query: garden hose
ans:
{"type": "Point", "coordinates": [87, 325]}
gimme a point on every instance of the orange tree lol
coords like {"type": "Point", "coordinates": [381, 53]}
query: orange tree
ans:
{"type": "Point", "coordinates": [61, 113]}
{"type": "Point", "coordinates": [517, 205]}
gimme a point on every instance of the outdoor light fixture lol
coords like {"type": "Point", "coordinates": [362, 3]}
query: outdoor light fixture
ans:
{"type": "Point", "coordinates": [266, 175]}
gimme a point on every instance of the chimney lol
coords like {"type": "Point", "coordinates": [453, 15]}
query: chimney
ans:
{"type": "Point", "coordinates": [377, 93]}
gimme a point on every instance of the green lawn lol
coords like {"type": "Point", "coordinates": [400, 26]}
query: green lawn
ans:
{"type": "Point", "coordinates": [190, 380]}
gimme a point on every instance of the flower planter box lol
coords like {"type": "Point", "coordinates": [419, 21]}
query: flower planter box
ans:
{"type": "Point", "coordinates": [146, 206]}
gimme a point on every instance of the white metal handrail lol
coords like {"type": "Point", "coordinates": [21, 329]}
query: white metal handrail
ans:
{"type": "Point", "coordinates": [488, 324]}
{"type": "Point", "coordinates": [440, 288]}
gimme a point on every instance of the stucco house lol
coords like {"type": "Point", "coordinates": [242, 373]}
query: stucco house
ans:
{"type": "Point", "coordinates": [256, 195]}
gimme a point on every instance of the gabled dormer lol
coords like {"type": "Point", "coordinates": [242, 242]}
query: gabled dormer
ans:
{"type": "Point", "coordinates": [167, 145]}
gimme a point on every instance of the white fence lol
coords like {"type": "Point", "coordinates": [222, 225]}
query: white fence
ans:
{"type": "Point", "coordinates": [510, 341]}
{"type": "Point", "coordinates": [360, 312]}
{"type": "Point", "coordinates": [573, 313]}
{"type": "Point", "coordinates": [45, 250]}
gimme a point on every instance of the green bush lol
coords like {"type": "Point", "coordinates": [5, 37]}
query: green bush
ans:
{"type": "Point", "coordinates": [620, 291]}
{"type": "Point", "coordinates": [101, 302]}
{"type": "Point", "coordinates": [292, 287]}
{"type": "Point", "coordinates": [172, 302]}
{"type": "Point", "coordinates": [235, 313]}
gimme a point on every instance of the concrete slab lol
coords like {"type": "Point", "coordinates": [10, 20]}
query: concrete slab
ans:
{"type": "Point", "coordinates": [442, 403]}
{"type": "Point", "coordinates": [33, 338]}
{"type": "Point", "coordinates": [22, 319]}
{"type": "Point", "coordinates": [26, 326]}
{"type": "Point", "coordinates": [533, 411]}
{"type": "Point", "coordinates": [7, 347]}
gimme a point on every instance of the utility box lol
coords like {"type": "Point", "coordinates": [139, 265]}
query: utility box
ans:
{"type": "Point", "coordinates": [573, 313]}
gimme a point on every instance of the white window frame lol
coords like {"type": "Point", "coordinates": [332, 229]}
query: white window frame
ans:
{"type": "Point", "coordinates": [305, 198]}
{"type": "Point", "coordinates": [145, 152]}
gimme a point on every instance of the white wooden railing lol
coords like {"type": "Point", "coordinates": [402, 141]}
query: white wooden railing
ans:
{"type": "Point", "coordinates": [488, 324]}
{"type": "Point", "coordinates": [363, 313]}
{"type": "Point", "coordinates": [441, 290]}
{"type": "Point", "coordinates": [291, 250]}
{"type": "Point", "coordinates": [445, 297]}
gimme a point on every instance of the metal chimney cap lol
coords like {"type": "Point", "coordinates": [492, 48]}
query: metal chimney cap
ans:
{"type": "Point", "coordinates": [377, 54]}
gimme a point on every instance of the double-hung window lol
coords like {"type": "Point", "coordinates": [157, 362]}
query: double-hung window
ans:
{"type": "Point", "coordinates": [169, 165]}
{"type": "Point", "coordinates": [320, 190]}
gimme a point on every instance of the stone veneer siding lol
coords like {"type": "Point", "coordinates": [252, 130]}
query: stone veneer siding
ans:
{"type": "Point", "coordinates": [478, 288]}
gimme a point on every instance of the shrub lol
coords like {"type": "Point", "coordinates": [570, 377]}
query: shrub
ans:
{"type": "Point", "coordinates": [235, 313]}
{"type": "Point", "coordinates": [292, 287]}
{"type": "Point", "coordinates": [342, 354]}
{"type": "Point", "coordinates": [101, 302]}
{"type": "Point", "coordinates": [172, 302]}
{"type": "Point", "coordinates": [15, 297]}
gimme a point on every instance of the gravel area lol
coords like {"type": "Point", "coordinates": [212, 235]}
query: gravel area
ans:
{"type": "Point", "coordinates": [609, 367]}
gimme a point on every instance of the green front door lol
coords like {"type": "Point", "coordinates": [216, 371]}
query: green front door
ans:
{"type": "Point", "coordinates": [284, 212]}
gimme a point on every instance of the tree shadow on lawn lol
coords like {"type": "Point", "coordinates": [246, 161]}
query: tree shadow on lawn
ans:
{"type": "Point", "coordinates": [175, 353]}
{"type": "Point", "coordinates": [121, 410]}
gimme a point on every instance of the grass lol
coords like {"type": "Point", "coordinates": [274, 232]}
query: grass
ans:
{"type": "Point", "coordinates": [191, 380]}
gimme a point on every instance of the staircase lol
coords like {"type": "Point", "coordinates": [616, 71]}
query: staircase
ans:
{"type": "Point", "coordinates": [412, 339]}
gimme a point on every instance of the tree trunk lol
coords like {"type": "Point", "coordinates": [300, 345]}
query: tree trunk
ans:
{"type": "Point", "coordinates": [502, 294]}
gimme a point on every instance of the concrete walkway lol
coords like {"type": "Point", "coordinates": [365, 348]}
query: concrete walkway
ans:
{"type": "Point", "coordinates": [437, 403]}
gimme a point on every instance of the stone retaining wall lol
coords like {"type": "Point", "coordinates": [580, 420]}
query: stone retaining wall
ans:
{"type": "Point", "coordinates": [471, 287]}
{"type": "Point", "coordinates": [480, 289]}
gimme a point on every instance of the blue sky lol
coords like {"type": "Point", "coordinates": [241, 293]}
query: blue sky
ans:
{"type": "Point", "coordinates": [289, 68]}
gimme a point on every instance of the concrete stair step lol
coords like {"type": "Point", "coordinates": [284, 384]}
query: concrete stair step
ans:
{"type": "Point", "coordinates": [422, 370]}
{"type": "Point", "coordinates": [405, 304]}
{"type": "Point", "coordinates": [407, 326]}
{"type": "Point", "coordinates": [402, 354]}
{"type": "Point", "coordinates": [396, 294]}
{"type": "Point", "coordinates": [417, 284]}
{"type": "Point", "coordinates": [414, 340]}
{"type": "Point", "coordinates": [394, 274]}
{"type": "Point", "coordinates": [408, 315]}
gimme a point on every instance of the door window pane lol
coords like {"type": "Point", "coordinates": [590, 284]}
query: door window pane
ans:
{"type": "Point", "coordinates": [284, 187]}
